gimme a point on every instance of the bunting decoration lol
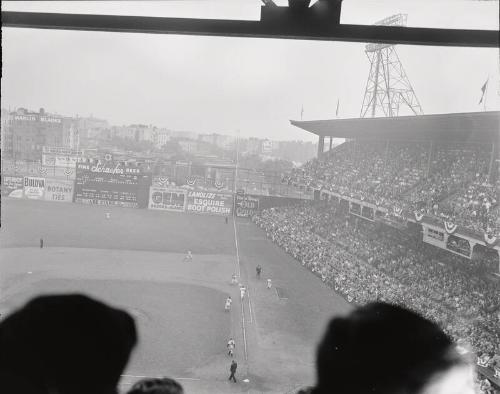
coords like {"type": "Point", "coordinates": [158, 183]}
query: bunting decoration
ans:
{"type": "Point", "coordinates": [450, 227]}
{"type": "Point", "coordinates": [42, 171]}
{"type": "Point", "coordinates": [490, 239]}
{"type": "Point", "coordinates": [162, 181]}
{"type": "Point", "coordinates": [419, 215]}
{"type": "Point", "coordinates": [219, 185]}
{"type": "Point", "coordinates": [191, 180]}
{"type": "Point", "coordinates": [68, 172]}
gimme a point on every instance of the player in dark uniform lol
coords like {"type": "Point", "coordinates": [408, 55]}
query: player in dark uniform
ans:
{"type": "Point", "coordinates": [232, 369]}
{"type": "Point", "coordinates": [258, 269]}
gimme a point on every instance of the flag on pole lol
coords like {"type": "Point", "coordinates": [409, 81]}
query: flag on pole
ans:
{"type": "Point", "coordinates": [337, 111]}
{"type": "Point", "coordinates": [483, 89]}
{"type": "Point", "coordinates": [302, 112]}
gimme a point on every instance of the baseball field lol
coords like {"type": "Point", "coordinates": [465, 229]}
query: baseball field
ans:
{"type": "Point", "coordinates": [134, 260]}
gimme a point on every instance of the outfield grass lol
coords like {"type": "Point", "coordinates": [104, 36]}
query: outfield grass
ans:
{"type": "Point", "coordinates": [134, 261]}
{"type": "Point", "coordinates": [24, 222]}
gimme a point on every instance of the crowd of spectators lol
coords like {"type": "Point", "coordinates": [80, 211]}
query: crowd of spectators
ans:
{"type": "Point", "coordinates": [450, 181]}
{"type": "Point", "coordinates": [367, 261]}
{"type": "Point", "coordinates": [54, 340]}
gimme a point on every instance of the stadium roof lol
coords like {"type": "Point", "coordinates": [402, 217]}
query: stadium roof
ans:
{"type": "Point", "coordinates": [466, 127]}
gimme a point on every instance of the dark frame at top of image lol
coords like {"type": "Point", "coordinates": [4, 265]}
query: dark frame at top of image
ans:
{"type": "Point", "coordinates": [297, 21]}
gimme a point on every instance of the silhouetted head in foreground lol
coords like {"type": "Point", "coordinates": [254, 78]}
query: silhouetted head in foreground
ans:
{"type": "Point", "coordinates": [65, 344]}
{"type": "Point", "coordinates": [156, 386]}
{"type": "Point", "coordinates": [386, 349]}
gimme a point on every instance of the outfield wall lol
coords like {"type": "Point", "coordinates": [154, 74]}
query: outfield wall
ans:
{"type": "Point", "coordinates": [132, 188]}
{"type": "Point", "coordinates": [38, 188]}
{"type": "Point", "coordinates": [266, 202]}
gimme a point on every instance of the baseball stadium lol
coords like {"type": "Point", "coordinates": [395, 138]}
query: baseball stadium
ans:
{"type": "Point", "coordinates": [346, 247]}
{"type": "Point", "coordinates": [392, 210]}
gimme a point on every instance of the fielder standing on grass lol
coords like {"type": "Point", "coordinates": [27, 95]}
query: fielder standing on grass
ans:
{"type": "Point", "coordinates": [41, 243]}
{"type": "Point", "coordinates": [188, 257]}
{"type": "Point", "coordinates": [258, 269]}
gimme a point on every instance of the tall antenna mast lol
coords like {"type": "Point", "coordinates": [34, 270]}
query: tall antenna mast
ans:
{"type": "Point", "coordinates": [387, 87]}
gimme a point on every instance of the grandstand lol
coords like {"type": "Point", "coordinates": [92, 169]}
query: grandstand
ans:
{"type": "Point", "coordinates": [441, 170]}
{"type": "Point", "coordinates": [407, 213]}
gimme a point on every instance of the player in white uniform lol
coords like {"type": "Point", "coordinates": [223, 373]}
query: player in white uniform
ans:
{"type": "Point", "coordinates": [269, 283]}
{"type": "Point", "coordinates": [189, 256]}
{"type": "Point", "coordinates": [227, 307]}
{"type": "Point", "coordinates": [234, 279]}
{"type": "Point", "coordinates": [231, 344]}
{"type": "Point", "coordinates": [242, 291]}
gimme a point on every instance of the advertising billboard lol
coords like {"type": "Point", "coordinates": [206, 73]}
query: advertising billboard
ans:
{"type": "Point", "coordinates": [12, 186]}
{"type": "Point", "coordinates": [54, 156]}
{"type": "Point", "coordinates": [112, 183]}
{"type": "Point", "coordinates": [167, 199]}
{"type": "Point", "coordinates": [245, 205]}
{"type": "Point", "coordinates": [53, 160]}
{"type": "Point", "coordinates": [34, 187]}
{"type": "Point", "coordinates": [59, 190]}
{"type": "Point", "coordinates": [209, 203]}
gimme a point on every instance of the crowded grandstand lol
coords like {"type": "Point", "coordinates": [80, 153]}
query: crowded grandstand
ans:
{"type": "Point", "coordinates": [196, 243]}
{"type": "Point", "coordinates": [411, 222]}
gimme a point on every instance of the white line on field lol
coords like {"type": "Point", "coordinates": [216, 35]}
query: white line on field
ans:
{"type": "Point", "coordinates": [243, 329]}
{"type": "Point", "coordinates": [250, 307]}
{"type": "Point", "coordinates": [238, 269]}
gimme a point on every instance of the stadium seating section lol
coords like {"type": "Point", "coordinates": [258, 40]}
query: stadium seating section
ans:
{"type": "Point", "coordinates": [365, 261]}
{"type": "Point", "coordinates": [458, 182]}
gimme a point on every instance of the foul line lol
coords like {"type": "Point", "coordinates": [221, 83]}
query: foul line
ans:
{"type": "Point", "coordinates": [243, 329]}
{"type": "Point", "coordinates": [250, 307]}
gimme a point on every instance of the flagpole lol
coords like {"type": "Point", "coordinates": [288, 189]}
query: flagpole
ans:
{"type": "Point", "coordinates": [486, 94]}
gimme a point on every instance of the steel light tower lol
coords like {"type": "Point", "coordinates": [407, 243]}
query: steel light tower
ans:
{"type": "Point", "coordinates": [387, 87]}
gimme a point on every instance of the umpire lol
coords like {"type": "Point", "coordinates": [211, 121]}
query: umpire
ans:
{"type": "Point", "coordinates": [232, 369]}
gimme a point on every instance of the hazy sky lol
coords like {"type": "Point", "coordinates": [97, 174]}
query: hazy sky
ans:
{"type": "Point", "coordinates": [209, 84]}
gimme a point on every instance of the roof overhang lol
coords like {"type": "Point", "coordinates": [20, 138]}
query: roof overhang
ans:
{"type": "Point", "coordinates": [482, 127]}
